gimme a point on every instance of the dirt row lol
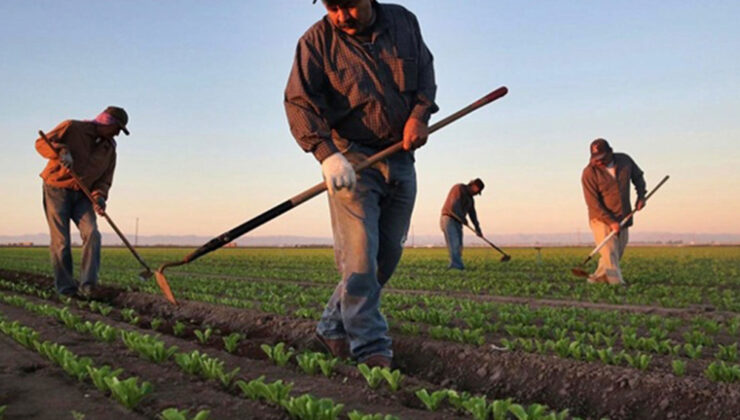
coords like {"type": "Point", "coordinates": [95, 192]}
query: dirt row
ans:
{"type": "Point", "coordinates": [175, 388]}
{"type": "Point", "coordinates": [588, 389]}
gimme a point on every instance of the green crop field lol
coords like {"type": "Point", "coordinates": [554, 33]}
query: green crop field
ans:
{"type": "Point", "coordinates": [674, 328]}
{"type": "Point", "coordinates": [672, 277]}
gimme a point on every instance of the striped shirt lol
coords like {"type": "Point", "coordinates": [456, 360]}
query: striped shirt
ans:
{"type": "Point", "coordinates": [342, 90]}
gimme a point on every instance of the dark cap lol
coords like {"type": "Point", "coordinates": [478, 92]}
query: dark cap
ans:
{"type": "Point", "coordinates": [120, 115]}
{"type": "Point", "coordinates": [599, 148]}
{"type": "Point", "coordinates": [477, 182]}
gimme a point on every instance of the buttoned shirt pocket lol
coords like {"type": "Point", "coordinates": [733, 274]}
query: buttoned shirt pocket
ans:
{"type": "Point", "coordinates": [349, 84]}
{"type": "Point", "coordinates": [405, 73]}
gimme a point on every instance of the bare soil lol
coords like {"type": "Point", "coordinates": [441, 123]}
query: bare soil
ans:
{"type": "Point", "coordinates": [592, 390]}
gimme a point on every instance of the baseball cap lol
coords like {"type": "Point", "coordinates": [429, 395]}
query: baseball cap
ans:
{"type": "Point", "coordinates": [120, 115]}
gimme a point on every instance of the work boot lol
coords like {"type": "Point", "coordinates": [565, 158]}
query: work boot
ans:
{"type": "Point", "coordinates": [594, 279]}
{"type": "Point", "coordinates": [337, 347]}
{"type": "Point", "coordinates": [87, 291]}
{"type": "Point", "coordinates": [378, 360]}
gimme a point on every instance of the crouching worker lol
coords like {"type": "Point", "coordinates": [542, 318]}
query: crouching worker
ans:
{"type": "Point", "coordinates": [88, 149]}
{"type": "Point", "coordinates": [606, 188]}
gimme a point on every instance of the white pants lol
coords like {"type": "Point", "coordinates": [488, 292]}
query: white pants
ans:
{"type": "Point", "coordinates": [611, 252]}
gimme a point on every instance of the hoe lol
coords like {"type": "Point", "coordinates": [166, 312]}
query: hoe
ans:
{"type": "Point", "coordinates": [505, 257]}
{"type": "Point", "coordinates": [304, 196]}
{"type": "Point", "coordinates": [579, 271]}
{"type": "Point", "coordinates": [144, 275]}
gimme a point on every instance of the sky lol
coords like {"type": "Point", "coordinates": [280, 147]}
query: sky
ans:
{"type": "Point", "coordinates": [210, 146]}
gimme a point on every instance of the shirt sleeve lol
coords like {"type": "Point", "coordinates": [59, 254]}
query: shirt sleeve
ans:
{"type": "Point", "coordinates": [473, 215]}
{"type": "Point", "coordinates": [305, 102]}
{"type": "Point", "coordinates": [638, 180]}
{"type": "Point", "coordinates": [591, 194]}
{"type": "Point", "coordinates": [427, 90]}
{"type": "Point", "coordinates": [103, 184]}
{"type": "Point", "coordinates": [55, 136]}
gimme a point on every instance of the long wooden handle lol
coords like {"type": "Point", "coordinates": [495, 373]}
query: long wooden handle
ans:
{"type": "Point", "coordinates": [626, 218]}
{"type": "Point", "coordinates": [317, 189]}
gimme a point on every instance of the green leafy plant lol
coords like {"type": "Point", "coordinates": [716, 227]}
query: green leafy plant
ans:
{"type": "Point", "coordinates": [356, 415]}
{"type": "Point", "coordinates": [433, 400]}
{"type": "Point", "coordinates": [477, 407]}
{"type": "Point", "coordinates": [155, 323]}
{"type": "Point", "coordinates": [130, 316]}
{"type": "Point", "coordinates": [189, 362]}
{"type": "Point", "coordinates": [327, 365]}
{"type": "Point", "coordinates": [392, 377]}
{"type": "Point", "coordinates": [231, 341]}
{"type": "Point", "coordinates": [204, 335]}
{"type": "Point", "coordinates": [257, 389]}
{"type": "Point", "coordinates": [178, 329]}
{"type": "Point", "coordinates": [727, 353]}
{"type": "Point", "coordinates": [175, 414]}
{"type": "Point", "coordinates": [98, 376]}
{"type": "Point", "coordinates": [128, 392]}
{"type": "Point", "coordinates": [307, 407]}
{"type": "Point", "coordinates": [147, 346]}
{"type": "Point", "coordinates": [309, 362]}
{"type": "Point", "coordinates": [373, 376]}
{"type": "Point", "coordinates": [102, 331]}
{"type": "Point", "coordinates": [277, 353]}
{"type": "Point", "coordinates": [722, 372]}
{"type": "Point", "coordinates": [457, 399]}
{"type": "Point", "coordinates": [500, 408]}
{"type": "Point", "coordinates": [679, 367]}
{"type": "Point", "coordinates": [640, 361]}
{"type": "Point", "coordinates": [692, 351]}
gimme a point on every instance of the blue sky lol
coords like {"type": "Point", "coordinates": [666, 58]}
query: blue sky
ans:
{"type": "Point", "coordinates": [210, 146]}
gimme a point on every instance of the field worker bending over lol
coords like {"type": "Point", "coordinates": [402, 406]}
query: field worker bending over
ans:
{"type": "Point", "coordinates": [362, 80]}
{"type": "Point", "coordinates": [458, 206]}
{"type": "Point", "coordinates": [606, 188]}
{"type": "Point", "coordinates": [88, 149]}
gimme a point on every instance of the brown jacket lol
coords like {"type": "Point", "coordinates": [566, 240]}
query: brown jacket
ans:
{"type": "Point", "coordinates": [460, 204]}
{"type": "Point", "coordinates": [607, 198]}
{"type": "Point", "coordinates": [94, 157]}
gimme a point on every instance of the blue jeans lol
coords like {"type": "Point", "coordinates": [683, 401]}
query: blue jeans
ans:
{"type": "Point", "coordinates": [453, 236]}
{"type": "Point", "coordinates": [61, 205]}
{"type": "Point", "coordinates": [370, 226]}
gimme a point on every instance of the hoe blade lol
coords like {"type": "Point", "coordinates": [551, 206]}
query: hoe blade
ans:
{"type": "Point", "coordinates": [165, 287]}
{"type": "Point", "coordinates": [579, 272]}
{"type": "Point", "coordinates": [505, 258]}
{"type": "Point", "coordinates": [145, 275]}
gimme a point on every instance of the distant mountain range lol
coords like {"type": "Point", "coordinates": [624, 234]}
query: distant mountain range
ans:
{"type": "Point", "coordinates": [545, 239]}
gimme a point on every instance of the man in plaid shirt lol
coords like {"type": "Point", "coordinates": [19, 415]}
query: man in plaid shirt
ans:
{"type": "Point", "coordinates": [362, 80]}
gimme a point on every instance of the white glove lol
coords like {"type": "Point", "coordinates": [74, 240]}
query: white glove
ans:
{"type": "Point", "coordinates": [338, 173]}
{"type": "Point", "coordinates": [66, 158]}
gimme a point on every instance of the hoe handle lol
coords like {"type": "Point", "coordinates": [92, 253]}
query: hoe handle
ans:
{"type": "Point", "coordinates": [317, 189]}
{"type": "Point", "coordinates": [464, 222]}
{"type": "Point", "coordinates": [92, 200]}
{"type": "Point", "coordinates": [624, 221]}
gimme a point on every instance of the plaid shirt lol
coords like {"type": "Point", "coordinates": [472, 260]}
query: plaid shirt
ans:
{"type": "Point", "coordinates": [343, 90]}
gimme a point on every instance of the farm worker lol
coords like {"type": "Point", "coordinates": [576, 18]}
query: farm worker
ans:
{"type": "Point", "coordinates": [362, 80]}
{"type": "Point", "coordinates": [606, 187]}
{"type": "Point", "coordinates": [88, 149]}
{"type": "Point", "coordinates": [458, 206]}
